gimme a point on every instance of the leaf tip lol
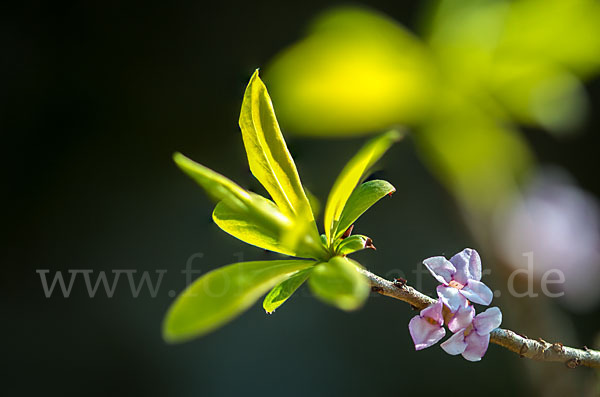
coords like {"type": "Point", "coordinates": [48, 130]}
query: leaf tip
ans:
{"type": "Point", "coordinates": [255, 78]}
{"type": "Point", "coordinates": [177, 157]}
{"type": "Point", "coordinates": [395, 134]}
{"type": "Point", "coordinates": [168, 334]}
{"type": "Point", "coordinates": [181, 160]}
{"type": "Point", "coordinates": [267, 305]}
{"type": "Point", "coordinates": [174, 331]}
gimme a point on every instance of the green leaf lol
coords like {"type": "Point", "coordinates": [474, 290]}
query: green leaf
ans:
{"type": "Point", "coordinates": [339, 283]}
{"type": "Point", "coordinates": [222, 294]}
{"type": "Point", "coordinates": [284, 290]}
{"type": "Point", "coordinates": [351, 176]}
{"type": "Point", "coordinates": [361, 200]}
{"type": "Point", "coordinates": [268, 155]}
{"type": "Point", "coordinates": [262, 225]}
{"type": "Point", "coordinates": [305, 237]}
{"type": "Point", "coordinates": [252, 228]}
{"type": "Point", "coordinates": [216, 185]}
{"type": "Point", "coordinates": [354, 243]}
{"type": "Point", "coordinates": [253, 218]}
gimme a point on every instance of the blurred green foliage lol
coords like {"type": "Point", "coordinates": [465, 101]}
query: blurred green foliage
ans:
{"type": "Point", "coordinates": [479, 69]}
{"type": "Point", "coordinates": [356, 71]}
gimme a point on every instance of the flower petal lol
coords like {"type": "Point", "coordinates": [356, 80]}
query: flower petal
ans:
{"type": "Point", "coordinates": [434, 312]}
{"type": "Point", "coordinates": [477, 345]}
{"type": "Point", "coordinates": [468, 265]}
{"type": "Point", "coordinates": [477, 292]}
{"type": "Point", "coordinates": [451, 297]}
{"type": "Point", "coordinates": [423, 333]}
{"type": "Point", "coordinates": [440, 268]}
{"type": "Point", "coordinates": [462, 318]}
{"type": "Point", "coordinates": [455, 344]}
{"type": "Point", "coordinates": [487, 321]}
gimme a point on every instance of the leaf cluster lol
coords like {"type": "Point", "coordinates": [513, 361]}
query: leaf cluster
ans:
{"type": "Point", "coordinates": [283, 223]}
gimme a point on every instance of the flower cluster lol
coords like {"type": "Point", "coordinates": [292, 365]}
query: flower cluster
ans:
{"type": "Point", "coordinates": [460, 286]}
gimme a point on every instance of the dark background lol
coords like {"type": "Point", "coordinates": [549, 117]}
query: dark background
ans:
{"type": "Point", "coordinates": [97, 96]}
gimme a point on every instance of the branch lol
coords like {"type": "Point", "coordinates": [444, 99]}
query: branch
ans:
{"type": "Point", "coordinates": [538, 350]}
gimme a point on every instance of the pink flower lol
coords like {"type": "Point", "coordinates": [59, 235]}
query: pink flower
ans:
{"type": "Point", "coordinates": [473, 340]}
{"type": "Point", "coordinates": [462, 318]}
{"type": "Point", "coordinates": [427, 329]}
{"type": "Point", "coordinates": [460, 278]}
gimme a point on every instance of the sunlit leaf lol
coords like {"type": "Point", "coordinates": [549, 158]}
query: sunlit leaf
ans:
{"type": "Point", "coordinates": [339, 283]}
{"type": "Point", "coordinates": [281, 292]}
{"type": "Point", "coordinates": [305, 237]}
{"type": "Point", "coordinates": [357, 71]}
{"type": "Point", "coordinates": [252, 218]}
{"type": "Point", "coordinates": [251, 228]}
{"type": "Point", "coordinates": [351, 175]}
{"type": "Point", "coordinates": [216, 185]}
{"type": "Point", "coordinates": [222, 294]}
{"type": "Point", "coordinates": [265, 227]}
{"type": "Point", "coordinates": [361, 200]}
{"type": "Point", "coordinates": [268, 155]}
{"type": "Point", "coordinates": [354, 243]}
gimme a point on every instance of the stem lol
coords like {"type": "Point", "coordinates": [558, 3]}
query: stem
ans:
{"type": "Point", "coordinates": [538, 350]}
